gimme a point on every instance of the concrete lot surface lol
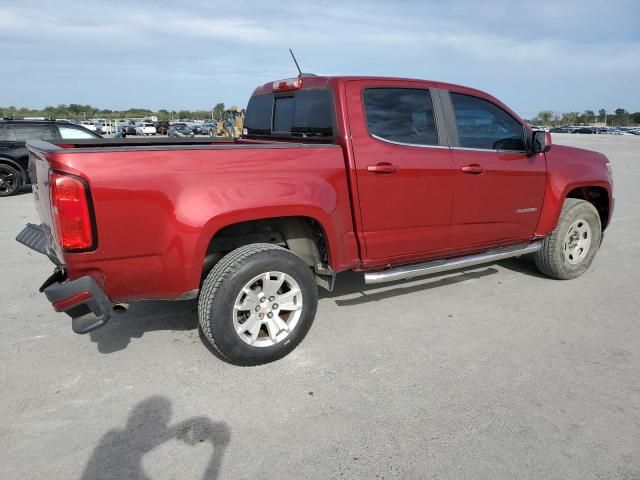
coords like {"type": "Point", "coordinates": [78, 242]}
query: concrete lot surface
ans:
{"type": "Point", "coordinates": [494, 372]}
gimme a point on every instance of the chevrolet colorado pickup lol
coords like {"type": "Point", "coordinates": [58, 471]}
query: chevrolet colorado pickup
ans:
{"type": "Point", "coordinates": [392, 177]}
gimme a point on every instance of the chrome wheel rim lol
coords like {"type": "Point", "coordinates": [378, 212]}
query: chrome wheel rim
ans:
{"type": "Point", "coordinates": [267, 309]}
{"type": "Point", "coordinates": [8, 181]}
{"type": "Point", "coordinates": [577, 242]}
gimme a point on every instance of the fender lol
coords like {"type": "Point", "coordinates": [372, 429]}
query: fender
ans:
{"type": "Point", "coordinates": [322, 198]}
{"type": "Point", "coordinates": [569, 168]}
{"type": "Point", "coordinates": [341, 246]}
{"type": "Point", "coordinates": [17, 166]}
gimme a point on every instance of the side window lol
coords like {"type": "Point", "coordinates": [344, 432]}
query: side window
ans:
{"type": "Point", "coordinates": [67, 133]}
{"type": "Point", "coordinates": [403, 115]}
{"type": "Point", "coordinates": [481, 124]}
{"type": "Point", "coordinates": [22, 133]}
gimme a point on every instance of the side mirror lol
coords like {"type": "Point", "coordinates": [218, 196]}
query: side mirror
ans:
{"type": "Point", "coordinates": [540, 142]}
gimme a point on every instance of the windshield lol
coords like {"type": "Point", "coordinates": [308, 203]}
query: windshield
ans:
{"type": "Point", "coordinates": [302, 114]}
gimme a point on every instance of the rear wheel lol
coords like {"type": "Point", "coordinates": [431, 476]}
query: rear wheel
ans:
{"type": "Point", "coordinates": [10, 180]}
{"type": "Point", "coordinates": [257, 304]}
{"type": "Point", "coordinates": [568, 252]}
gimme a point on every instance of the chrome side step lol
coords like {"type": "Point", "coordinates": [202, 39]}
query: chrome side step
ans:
{"type": "Point", "coordinates": [437, 266]}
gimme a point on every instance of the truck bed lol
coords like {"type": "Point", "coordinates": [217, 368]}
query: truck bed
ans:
{"type": "Point", "coordinates": [157, 204]}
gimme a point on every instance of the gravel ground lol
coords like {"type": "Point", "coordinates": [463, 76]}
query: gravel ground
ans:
{"type": "Point", "coordinates": [495, 372]}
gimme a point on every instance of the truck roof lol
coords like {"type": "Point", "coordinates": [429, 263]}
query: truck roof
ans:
{"type": "Point", "coordinates": [319, 81]}
{"type": "Point", "coordinates": [328, 81]}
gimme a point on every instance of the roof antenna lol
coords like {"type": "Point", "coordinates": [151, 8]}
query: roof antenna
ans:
{"type": "Point", "coordinates": [296, 62]}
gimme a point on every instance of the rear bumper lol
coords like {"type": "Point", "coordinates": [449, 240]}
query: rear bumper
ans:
{"type": "Point", "coordinates": [82, 299]}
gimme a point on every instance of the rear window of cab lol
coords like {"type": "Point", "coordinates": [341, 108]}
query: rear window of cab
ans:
{"type": "Point", "coordinates": [298, 114]}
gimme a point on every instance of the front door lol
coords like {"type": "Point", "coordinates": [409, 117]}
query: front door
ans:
{"type": "Point", "coordinates": [404, 169]}
{"type": "Point", "coordinates": [499, 187]}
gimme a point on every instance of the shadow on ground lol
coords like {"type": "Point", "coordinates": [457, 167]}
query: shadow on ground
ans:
{"type": "Point", "coordinates": [22, 190]}
{"type": "Point", "coordinates": [149, 316]}
{"type": "Point", "coordinates": [145, 317]}
{"type": "Point", "coordinates": [120, 452]}
{"type": "Point", "coordinates": [351, 283]}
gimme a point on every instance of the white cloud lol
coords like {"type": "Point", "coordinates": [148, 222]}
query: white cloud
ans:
{"type": "Point", "coordinates": [504, 46]}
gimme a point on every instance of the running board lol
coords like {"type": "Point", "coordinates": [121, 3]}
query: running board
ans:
{"type": "Point", "coordinates": [437, 266]}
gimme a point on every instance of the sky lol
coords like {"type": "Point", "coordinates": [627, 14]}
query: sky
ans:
{"type": "Point", "coordinates": [562, 55]}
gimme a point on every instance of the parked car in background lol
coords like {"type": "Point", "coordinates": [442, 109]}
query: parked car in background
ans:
{"type": "Point", "coordinates": [14, 156]}
{"type": "Point", "coordinates": [88, 125]}
{"type": "Point", "coordinates": [118, 132]}
{"type": "Point", "coordinates": [180, 130]}
{"type": "Point", "coordinates": [587, 130]}
{"type": "Point", "coordinates": [146, 128]}
{"type": "Point", "coordinates": [209, 128]}
{"type": "Point", "coordinates": [129, 129]}
{"type": "Point", "coordinates": [199, 129]}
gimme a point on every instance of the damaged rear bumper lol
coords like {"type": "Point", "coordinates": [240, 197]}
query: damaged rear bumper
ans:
{"type": "Point", "coordinates": [82, 299]}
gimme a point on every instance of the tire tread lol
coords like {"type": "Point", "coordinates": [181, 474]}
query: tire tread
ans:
{"type": "Point", "coordinates": [545, 258]}
{"type": "Point", "coordinates": [223, 270]}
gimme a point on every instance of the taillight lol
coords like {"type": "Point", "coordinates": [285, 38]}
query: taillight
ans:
{"type": "Point", "coordinates": [71, 212]}
{"type": "Point", "coordinates": [288, 84]}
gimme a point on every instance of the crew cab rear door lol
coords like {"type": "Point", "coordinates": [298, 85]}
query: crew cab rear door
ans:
{"type": "Point", "coordinates": [404, 168]}
{"type": "Point", "coordinates": [499, 186]}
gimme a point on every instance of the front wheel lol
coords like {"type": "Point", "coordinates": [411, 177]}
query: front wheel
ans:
{"type": "Point", "coordinates": [10, 180]}
{"type": "Point", "coordinates": [257, 304]}
{"type": "Point", "coordinates": [568, 252]}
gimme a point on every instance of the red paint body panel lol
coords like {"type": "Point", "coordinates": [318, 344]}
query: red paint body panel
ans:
{"type": "Point", "coordinates": [485, 207]}
{"type": "Point", "coordinates": [406, 212]}
{"type": "Point", "coordinates": [570, 168]}
{"type": "Point", "coordinates": [156, 209]}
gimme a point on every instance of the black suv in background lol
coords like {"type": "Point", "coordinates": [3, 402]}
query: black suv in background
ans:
{"type": "Point", "coordinates": [14, 156]}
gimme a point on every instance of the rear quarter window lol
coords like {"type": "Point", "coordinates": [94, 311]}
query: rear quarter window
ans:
{"type": "Point", "coordinates": [23, 133]}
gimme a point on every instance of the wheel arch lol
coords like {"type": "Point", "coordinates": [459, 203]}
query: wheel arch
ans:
{"type": "Point", "coordinates": [598, 193]}
{"type": "Point", "coordinates": [598, 197]}
{"type": "Point", "coordinates": [303, 234]}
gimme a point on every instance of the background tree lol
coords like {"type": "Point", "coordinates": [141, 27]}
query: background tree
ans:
{"type": "Point", "coordinates": [218, 112]}
{"type": "Point", "coordinates": [545, 117]}
{"type": "Point", "coordinates": [570, 118]}
{"type": "Point", "coordinates": [602, 115]}
{"type": "Point", "coordinates": [588, 117]}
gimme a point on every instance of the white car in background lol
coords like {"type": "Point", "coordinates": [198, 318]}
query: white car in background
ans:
{"type": "Point", "coordinates": [88, 125]}
{"type": "Point", "coordinates": [145, 129]}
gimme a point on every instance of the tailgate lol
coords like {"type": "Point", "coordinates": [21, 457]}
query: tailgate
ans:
{"type": "Point", "coordinates": [39, 168]}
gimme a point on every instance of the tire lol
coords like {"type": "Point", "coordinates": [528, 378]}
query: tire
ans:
{"type": "Point", "coordinates": [236, 299]}
{"type": "Point", "coordinates": [569, 250]}
{"type": "Point", "coordinates": [10, 180]}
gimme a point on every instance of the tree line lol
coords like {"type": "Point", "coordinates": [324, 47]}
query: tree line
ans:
{"type": "Point", "coordinates": [619, 118]}
{"type": "Point", "coordinates": [76, 111]}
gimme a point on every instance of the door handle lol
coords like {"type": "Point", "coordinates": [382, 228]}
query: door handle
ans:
{"type": "Point", "coordinates": [474, 169]}
{"type": "Point", "coordinates": [383, 167]}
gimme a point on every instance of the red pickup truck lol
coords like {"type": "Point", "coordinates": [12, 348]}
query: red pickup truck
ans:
{"type": "Point", "coordinates": [392, 177]}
